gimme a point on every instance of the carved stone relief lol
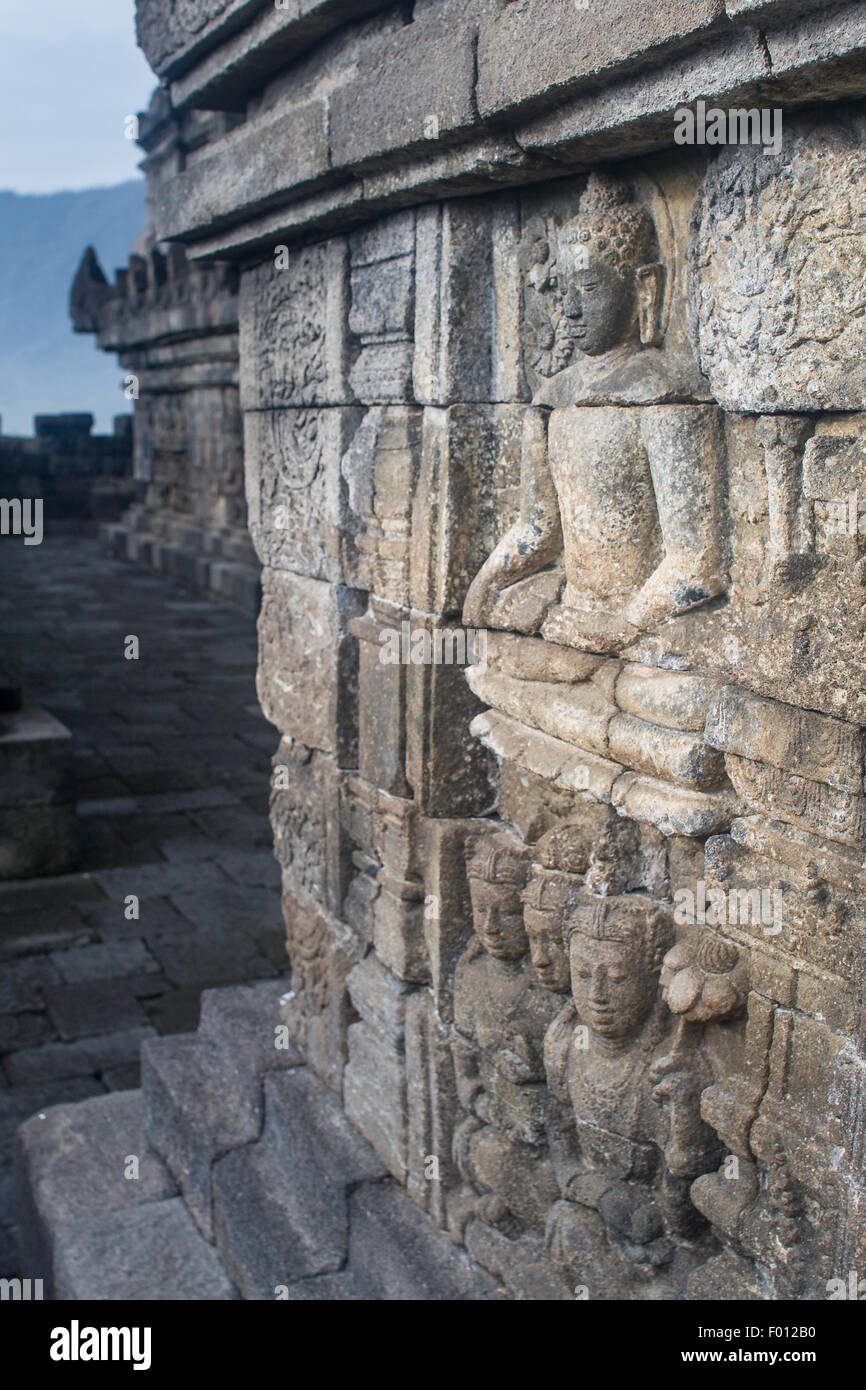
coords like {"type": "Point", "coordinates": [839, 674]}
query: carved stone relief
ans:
{"type": "Point", "coordinates": [594, 900]}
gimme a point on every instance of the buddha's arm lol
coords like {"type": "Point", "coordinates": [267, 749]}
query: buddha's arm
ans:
{"type": "Point", "coordinates": [534, 541]}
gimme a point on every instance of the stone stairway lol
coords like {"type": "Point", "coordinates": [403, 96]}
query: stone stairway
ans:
{"type": "Point", "coordinates": [218, 562]}
{"type": "Point", "coordinates": [232, 1173]}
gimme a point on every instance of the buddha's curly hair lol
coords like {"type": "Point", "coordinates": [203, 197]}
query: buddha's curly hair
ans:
{"type": "Point", "coordinates": [613, 224]}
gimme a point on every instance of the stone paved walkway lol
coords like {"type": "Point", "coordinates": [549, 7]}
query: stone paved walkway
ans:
{"type": "Point", "coordinates": [173, 760]}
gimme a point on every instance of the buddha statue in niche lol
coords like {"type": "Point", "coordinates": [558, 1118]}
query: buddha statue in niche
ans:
{"type": "Point", "coordinates": [617, 478]}
{"type": "Point", "coordinates": [500, 1017]}
{"type": "Point", "coordinates": [637, 1139]}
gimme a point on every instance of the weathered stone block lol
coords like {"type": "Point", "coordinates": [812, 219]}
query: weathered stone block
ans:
{"type": "Point", "coordinates": [414, 715]}
{"type": "Point", "coordinates": [451, 775]}
{"type": "Point", "coordinates": [172, 38]}
{"type": "Point", "coordinates": [203, 1094]}
{"type": "Point", "coordinates": [307, 681]}
{"type": "Point", "coordinates": [413, 87]}
{"type": "Point", "coordinates": [684, 758]}
{"type": "Point", "coordinates": [455, 303]}
{"type": "Point", "coordinates": [38, 840]}
{"type": "Point", "coordinates": [815, 806]}
{"type": "Point", "coordinates": [300, 517]}
{"type": "Point", "coordinates": [535, 56]}
{"type": "Point", "coordinates": [381, 710]}
{"type": "Point", "coordinates": [35, 759]}
{"type": "Point", "coordinates": [469, 479]}
{"type": "Point", "coordinates": [317, 1010]}
{"type": "Point", "coordinates": [380, 468]}
{"type": "Point", "coordinates": [281, 1204]}
{"type": "Point", "coordinates": [76, 1161]}
{"type": "Point", "coordinates": [762, 354]}
{"type": "Point", "coordinates": [380, 999]}
{"type": "Point", "coordinates": [398, 930]}
{"type": "Point", "coordinates": [825, 750]}
{"type": "Point", "coordinates": [374, 1095]}
{"type": "Point", "coordinates": [674, 699]}
{"type": "Point", "coordinates": [114, 1256]}
{"type": "Point", "coordinates": [305, 822]}
{"type": "Point", "coordinates": [279, 150]}
{"type": "Point", "coordinates": [395, 1250]}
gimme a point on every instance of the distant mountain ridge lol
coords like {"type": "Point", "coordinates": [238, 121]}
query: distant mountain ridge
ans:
{"type": "Point", "coordinates": [44, 366]}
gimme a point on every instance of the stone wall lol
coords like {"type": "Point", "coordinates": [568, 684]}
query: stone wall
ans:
{"type": "Point", "coordinates": [575, 928]}
{"type": "Point", "coordinates": [174, 328]}
{"type": "Point", "coordinates": [652, 783]}
{"type": "Point", "coordinates": [82, 479]}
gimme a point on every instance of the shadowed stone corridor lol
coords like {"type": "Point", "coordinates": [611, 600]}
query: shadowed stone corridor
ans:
{"type": "Point", "coordinates": [172, 757]}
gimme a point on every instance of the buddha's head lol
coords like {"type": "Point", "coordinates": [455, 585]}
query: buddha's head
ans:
{"type": "Point", "coordinates": [543, 906]}
{"type": "Point", "coordinates": [608, 275]}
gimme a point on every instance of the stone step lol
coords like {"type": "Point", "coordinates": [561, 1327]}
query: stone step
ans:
{"type": "Point", "coordinates": [182, 1110]}
{"type": "Point", "coordinates": [203, 1091]}
{"type": "Point", "coordinates": [234, 1172]}
{"type": "Point", "coordinates": [77, 1161]}
{"type": "Point", "coordinates": [148, 1252]}
{"type": "Point", "coordinates": [397, 1253]}
{"type": "Point", "coordinates": [309, 1212]}
{"type": "Point", "coordinates": [239, 584]}
{"type": "Point", "coordinates": [232, 575]}
{"type": "Point", "coordinates": [281, 1205]}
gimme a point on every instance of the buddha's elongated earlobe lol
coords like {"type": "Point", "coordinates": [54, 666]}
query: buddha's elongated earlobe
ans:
{"type": "Point", "coordinates": [650, 281]}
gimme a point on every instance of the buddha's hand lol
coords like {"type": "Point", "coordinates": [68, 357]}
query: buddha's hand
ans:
{"type": "Point", "coordinates": [479, 601]}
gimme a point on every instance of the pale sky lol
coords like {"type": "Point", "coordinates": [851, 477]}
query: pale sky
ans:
{"type": "Point", "coordinates": [70, 72]}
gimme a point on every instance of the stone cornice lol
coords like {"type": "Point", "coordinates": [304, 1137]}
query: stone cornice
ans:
{"type": "Point", "coordinates": [464, 99]}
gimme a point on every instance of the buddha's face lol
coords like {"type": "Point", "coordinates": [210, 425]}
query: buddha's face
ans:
{"type": "Point", "coordinates": [549, 958]}
{"type": "Point", "coordinates": [600, 305]}
{"type": "Point", "coordinates": [497, 914]}
{"type": "Point", "coordinates": [612, 991]}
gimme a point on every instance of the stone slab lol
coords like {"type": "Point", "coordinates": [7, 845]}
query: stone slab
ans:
{"type": "Point", "coordinates": [535, 55]}
{"type": "Point", "coordinates": [149, 1253]}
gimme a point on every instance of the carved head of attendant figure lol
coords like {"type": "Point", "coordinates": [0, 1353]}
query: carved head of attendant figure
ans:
{"type": "Point", "coordinates": [544, 903]}
{"type": "Point", "coordinates": [497, 869]}
{"type": "Point", "coordinates": [615, 949]}
{"type": "Point", "coordinates": [560, 860]}
{"type": "Point", "coordinates": [608, 276]}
